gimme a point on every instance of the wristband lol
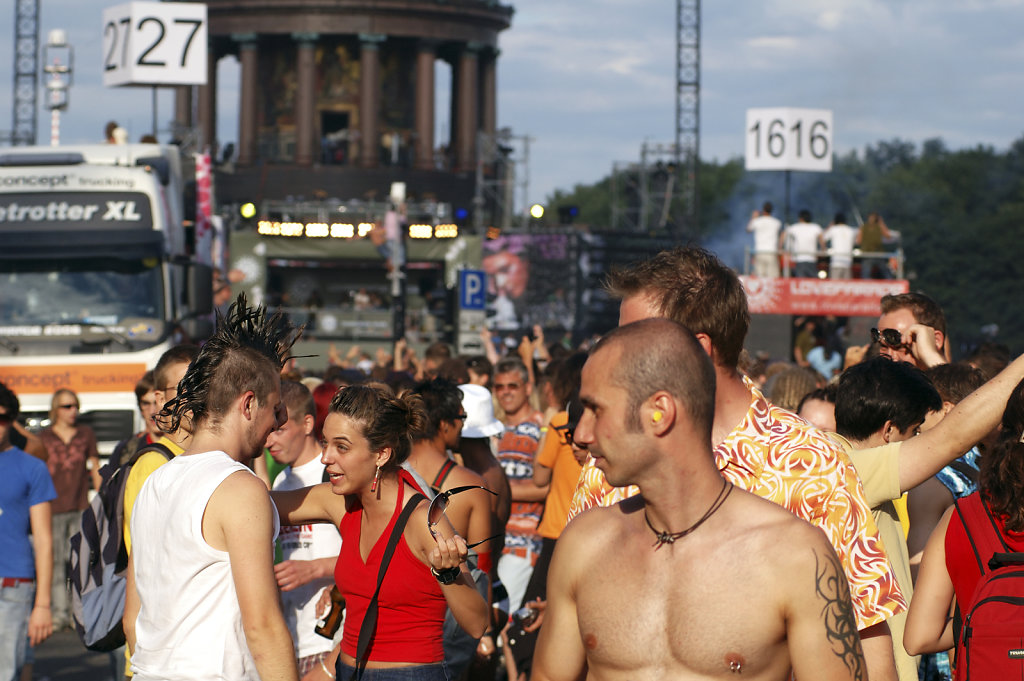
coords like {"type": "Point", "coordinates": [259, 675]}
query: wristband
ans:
{"type": "Point", "coordinates": [447, 575]}
{"type": "Point", "coordinates": [326, 670]}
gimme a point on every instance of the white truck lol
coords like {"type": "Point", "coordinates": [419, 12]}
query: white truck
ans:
{"type": "Point", "coordinates": [96, 277]}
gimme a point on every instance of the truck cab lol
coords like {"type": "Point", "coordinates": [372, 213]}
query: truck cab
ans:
{"type": "Point", "coordinates": [97, 277]}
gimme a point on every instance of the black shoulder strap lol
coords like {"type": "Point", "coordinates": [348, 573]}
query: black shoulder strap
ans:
{"type": "Point", "coordinates": [153, 447]}
{"type": "Point", "coordinates": [369, 625]}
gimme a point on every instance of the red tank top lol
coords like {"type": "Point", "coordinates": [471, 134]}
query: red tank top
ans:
{"type": "Point", "coordinates": [411, 605]}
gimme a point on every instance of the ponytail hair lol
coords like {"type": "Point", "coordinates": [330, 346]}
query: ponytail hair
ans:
{"type": "Point", "coordinates": [388, 421]}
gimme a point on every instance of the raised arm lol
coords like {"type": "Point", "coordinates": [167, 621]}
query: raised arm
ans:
{"type": "Point", "coordinates": [974, 417]}
{"type": "Point", "coordinates": [316, 504]}
{"type": "Point", "coordinates": [467, 605]}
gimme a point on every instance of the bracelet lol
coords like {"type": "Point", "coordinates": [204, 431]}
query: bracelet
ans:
{"type": "Point", "coordinates": [326, 670]}
{"type": "Point", "coordinates": [446, 575]}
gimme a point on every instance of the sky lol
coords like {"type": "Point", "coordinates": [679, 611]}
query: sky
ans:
{"type": "Point", "coordinates": [590, 82]}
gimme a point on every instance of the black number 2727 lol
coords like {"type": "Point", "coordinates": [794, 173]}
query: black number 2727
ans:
{"type": "Point", "coordinates": [118, 34]}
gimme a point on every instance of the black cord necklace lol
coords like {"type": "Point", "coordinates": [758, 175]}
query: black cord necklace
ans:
{"type": "Point", "coordinates": [671, 537]}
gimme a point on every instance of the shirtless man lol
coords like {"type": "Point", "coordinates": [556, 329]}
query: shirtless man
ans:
{"type": "Point", "coordinates": [697, 578]}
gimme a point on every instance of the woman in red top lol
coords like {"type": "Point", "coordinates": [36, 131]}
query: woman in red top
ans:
{"type": "Point", "coordinates": [949, 567]}
{"type": "Point", "coordinates": [366, 438]}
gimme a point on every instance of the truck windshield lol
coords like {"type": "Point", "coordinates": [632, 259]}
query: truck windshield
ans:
{"type": "Point", "coordinates": [89, 291]}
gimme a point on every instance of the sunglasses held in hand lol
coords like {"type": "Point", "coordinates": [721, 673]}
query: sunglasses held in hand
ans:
{"type": "Point", "coordinates": [439, 505]}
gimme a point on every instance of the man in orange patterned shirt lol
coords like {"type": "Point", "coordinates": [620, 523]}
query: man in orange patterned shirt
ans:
{"type": "Point", "coordinates": [759, 447]}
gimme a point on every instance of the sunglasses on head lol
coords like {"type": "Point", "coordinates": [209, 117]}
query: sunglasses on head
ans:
{"type": "Point", "coordinates": [440, 504]}
{"type": "Point", "coordinates": [891, 338]}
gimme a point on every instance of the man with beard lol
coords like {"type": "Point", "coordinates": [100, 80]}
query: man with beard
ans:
{"type": "Point", "coordinates": [202, 600]}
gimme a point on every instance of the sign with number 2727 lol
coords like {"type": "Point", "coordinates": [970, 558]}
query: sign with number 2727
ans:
{"type": "Point", "coordinates": [789, 139]}
{"type": "Point", "coordinates": [155, 43]}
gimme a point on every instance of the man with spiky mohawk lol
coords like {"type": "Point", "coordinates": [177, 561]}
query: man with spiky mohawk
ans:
{"type": "Point", "coordinates": [202, 601]}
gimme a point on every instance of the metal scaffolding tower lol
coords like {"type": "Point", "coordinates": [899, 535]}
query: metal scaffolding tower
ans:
{"type": "Point", "coordinates": [660, 194]}
{"type": "Point", "coordinates": [26, 71]}
{"type": "Point", "coordinates": [687, 144]}
{"type": "Point", "coordinates": [644, 193]}
{"type": "Point", "coordinates": [502, 182]}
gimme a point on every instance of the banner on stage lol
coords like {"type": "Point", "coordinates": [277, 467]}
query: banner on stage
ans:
{"type": "Point", "coordinates": [839, 297]}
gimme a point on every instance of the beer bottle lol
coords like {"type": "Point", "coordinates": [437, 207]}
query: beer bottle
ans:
{"type": "Point", "coordinates": [328, 625]}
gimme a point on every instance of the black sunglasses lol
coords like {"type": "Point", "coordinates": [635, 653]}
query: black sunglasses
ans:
{"type": "Point", "coordinates": [440, 504]}
{"type": "Point", "coordinates": [891, 338]}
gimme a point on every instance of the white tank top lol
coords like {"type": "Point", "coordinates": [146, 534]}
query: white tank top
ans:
{"type": "Point", "coordinates": [189, 625]}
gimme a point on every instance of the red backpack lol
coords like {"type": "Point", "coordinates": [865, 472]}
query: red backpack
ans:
{"type": "Point", "coordinates": [990, 644]}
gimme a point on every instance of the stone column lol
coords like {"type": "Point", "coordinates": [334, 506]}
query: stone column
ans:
{"type": "Point", "coordinates": [182, 106]}
{"type": "Point", "coordinates": [207, 105]}
{"type": "Point", "coordinates": [247, 98]}
{"type": "Point", "coordinates": [467, 112]}
{"type": "Point", "coordinates": [425, 57]}
{"type": "Point", "coordinates": [369, 98]}
{"type": "Point", "coordinates": [489, 92]}
{"type": "Point", "coordinates": [305, 98]}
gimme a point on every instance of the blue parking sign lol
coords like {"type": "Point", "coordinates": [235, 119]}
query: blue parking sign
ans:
{"type": "Point", "coordinates": [472, 290]}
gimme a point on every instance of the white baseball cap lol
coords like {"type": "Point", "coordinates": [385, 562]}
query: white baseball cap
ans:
{"type": "Point", "coordinates": [480, 421]}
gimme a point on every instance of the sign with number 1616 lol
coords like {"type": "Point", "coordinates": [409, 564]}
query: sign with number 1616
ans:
{"type": "Point", "coordinates": [155, 43]}
{"type": "Point", "coordinates": [789, 139]}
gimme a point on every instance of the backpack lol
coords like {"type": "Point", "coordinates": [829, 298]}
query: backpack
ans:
{"type": "Point", "coordinates": [98, 559]}
{"type": "Point", "coordinates": [990, 643]}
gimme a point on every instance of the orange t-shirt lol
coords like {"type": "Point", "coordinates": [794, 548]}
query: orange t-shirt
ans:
{"type": "Point", "coordinates": [556, 454]}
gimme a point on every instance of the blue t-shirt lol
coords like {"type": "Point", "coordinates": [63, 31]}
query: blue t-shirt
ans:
{"type": "Point", "coordinates": [24, 483]}
{"type": "Point", "coordinates": [826, 366]}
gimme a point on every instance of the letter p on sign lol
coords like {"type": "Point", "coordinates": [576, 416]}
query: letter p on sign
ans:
{"type": "Point", "coordinates": [472, 291]}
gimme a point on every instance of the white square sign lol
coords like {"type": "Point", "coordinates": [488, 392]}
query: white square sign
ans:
{"type": "Point", "coordinates": [155, 43]}
{"type": "Point", "coordinates": [789, 139]}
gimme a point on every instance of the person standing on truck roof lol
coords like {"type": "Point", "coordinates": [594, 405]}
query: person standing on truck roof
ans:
{"type": "Point", "coordinates": [74, 464]}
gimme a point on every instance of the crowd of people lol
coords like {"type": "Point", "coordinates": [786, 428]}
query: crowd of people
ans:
{"type": "Point", "coordinates": [799, 246]}
{"type": "Point", "coordinates": [657, 505]}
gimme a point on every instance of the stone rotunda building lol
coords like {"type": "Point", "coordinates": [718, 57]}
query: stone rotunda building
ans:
{"type": "Point", "coordinates": [337, 97]}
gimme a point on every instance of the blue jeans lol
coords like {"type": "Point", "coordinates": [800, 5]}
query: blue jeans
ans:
{"type": "Point", "coordinates": [15, 608]}
{"type": "Point", "coordinates": [420, 672]}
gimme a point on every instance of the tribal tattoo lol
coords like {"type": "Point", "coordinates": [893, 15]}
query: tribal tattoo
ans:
{"type": "Point", "coordinates": [840, 625]}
